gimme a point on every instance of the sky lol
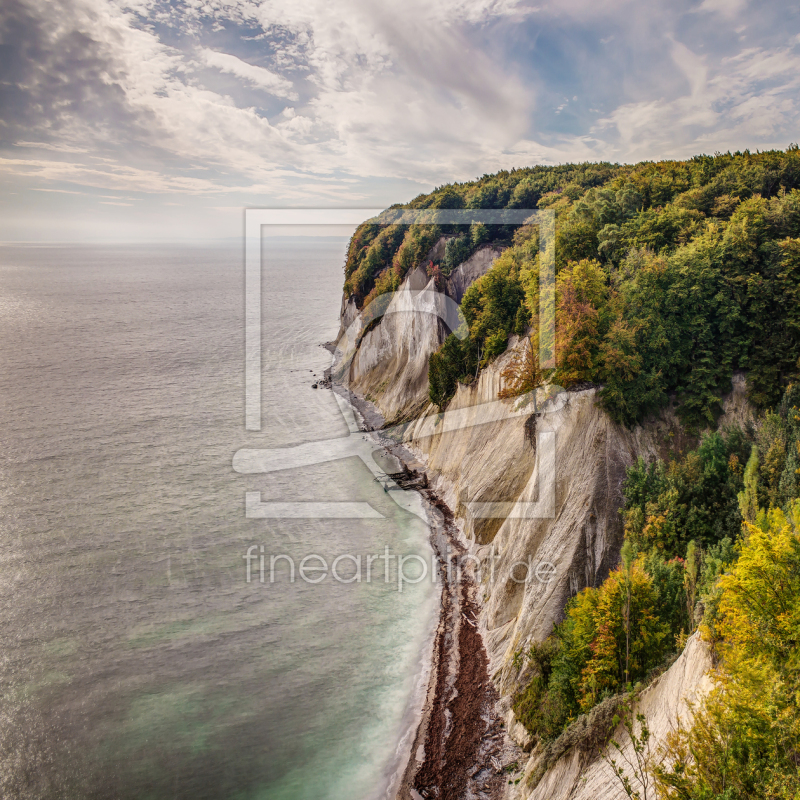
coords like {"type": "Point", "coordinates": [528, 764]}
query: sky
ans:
{"type": "Point", "coordinates": [161, 121]}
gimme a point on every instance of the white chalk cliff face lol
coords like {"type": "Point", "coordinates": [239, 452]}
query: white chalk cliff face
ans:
{"type": "Point", "coordinates": [573, 544]}
{"type": "Point", "coordinates": [564, 460]}
{"type": "Point", "coordinates": [464, 275]}
{"type": "Point", "coordinates": [390, 366]}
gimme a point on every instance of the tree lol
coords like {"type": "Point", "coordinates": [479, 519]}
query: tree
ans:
{"type": "Point", "coordinates": [694, 497]}
{"type": "Point", "coordinates": [522, 374]}
{"type": "Point", "coordinates": [581, 293]}
{"type": "Point", "coordinates": [700, 276]}
{"type": "Point", "coordinates": [748, 497]}
{"type": "Point", "coordinates": [445, 368]}
{"type": "Point", "coordinates": [691, 574]}
{"type": "Point", "coordinates": [629, 637]}
{"type": "Point", "coordinates": [456, 251]}
{"type": "Point", "coordinates": [479, 233]}
{"type": "Point", "coordinates": [627, 563]}
{"type": "Point", "coordinates": [744, 738]}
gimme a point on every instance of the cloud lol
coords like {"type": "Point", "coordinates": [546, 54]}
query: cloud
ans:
{"type": "Point", "coordinates": [750, 97]}
{"type": "Point", "coordinates": [288, 101]}
{"type": "Point", "coordinates": [390, 95]}
{"type": "Point", "coordinates": [58, 148]}
{"type": "Point", "coordinates": [57, 191]}
{"type": "Point", "coordinates": [273, 83]}
{"type": "Point", "coordinates": [116, 177]}
{"type": "Point", "coordinates": [729, 8]}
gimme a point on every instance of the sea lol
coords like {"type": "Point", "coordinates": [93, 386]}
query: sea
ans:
{"type": "Point", "coordinates": [137, 659]}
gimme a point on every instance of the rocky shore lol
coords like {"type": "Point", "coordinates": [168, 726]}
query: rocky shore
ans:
{"type": "Point", "coordinates": [461, 747]}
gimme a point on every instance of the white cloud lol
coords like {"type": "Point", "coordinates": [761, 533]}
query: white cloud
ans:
{"type": "Point", "coordinates": [729, 106]}
{"type": "Point", "coordinates": [116, 177]}
{"type": "Point", "coordinates": [57, 191]}
{"type": "Point", "coordinates": [258, 76]}
{"type": "Point", "coordinates": [395, 92]}
{"type": "Point", "coordinates": [59, 148]}
{"type": "Point", "coordinates": [429, 92]}
{"type": "Point", "coordinates": [728, 8]}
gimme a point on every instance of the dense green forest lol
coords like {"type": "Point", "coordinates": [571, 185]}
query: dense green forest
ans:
{"type": "Point", "coordinates": [669, 277]}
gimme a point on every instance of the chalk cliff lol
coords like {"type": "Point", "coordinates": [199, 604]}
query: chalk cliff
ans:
{"type": "Point", "coordinates": [505, 455]}
{"type": "Point", "coordinates": [390, 365]}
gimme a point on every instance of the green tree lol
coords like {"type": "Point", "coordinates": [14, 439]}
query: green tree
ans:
{"type": "Point", "coordinates": [748, 497]}
{"type": "Point", "coordinates": [690, 498]}
{"type": "Point", "coordinates": [744, 738]}
{"type": "Point", "coordinates": [691, 576]}
{"type": "Point", "coordinates": [478, 233]}
{"type": "Point", "coordinates": [456, 251]}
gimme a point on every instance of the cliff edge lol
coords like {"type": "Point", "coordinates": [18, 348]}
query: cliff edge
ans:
{"type": "Point", "coordinates": [531, 553]}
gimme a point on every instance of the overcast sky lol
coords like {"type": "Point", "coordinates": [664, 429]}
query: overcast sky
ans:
{"type": "Point", "coordinates": [163, 120]}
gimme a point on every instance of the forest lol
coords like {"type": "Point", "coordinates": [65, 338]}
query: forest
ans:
{"type": "Point", "coordinates": [670, 276]}
{"type": "Point", "coordinates": [712, 543]}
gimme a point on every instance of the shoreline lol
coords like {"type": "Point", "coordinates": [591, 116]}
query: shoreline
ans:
{"type": "Point", "coordinates": [460, 747]}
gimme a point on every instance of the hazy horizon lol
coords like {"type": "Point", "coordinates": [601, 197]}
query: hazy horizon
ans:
{"type": "Point", "coordinates": [161, 121]}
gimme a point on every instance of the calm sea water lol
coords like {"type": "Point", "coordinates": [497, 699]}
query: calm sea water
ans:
{"type": "Point", "coordinates": [136, 661]}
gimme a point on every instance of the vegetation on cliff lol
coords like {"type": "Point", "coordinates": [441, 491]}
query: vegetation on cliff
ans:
{"type": "Point", "coordinates": [744, 740]}
{"type": "Point", "coordinates": [710, 542]}
{"type": "Point", "coordinates": [670, 276]}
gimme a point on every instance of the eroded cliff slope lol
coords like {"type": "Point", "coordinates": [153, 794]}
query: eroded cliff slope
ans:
{"type": "Point", "coordinates": [549, 468]}
{"type": "Point", "coordinates": [389, 361]}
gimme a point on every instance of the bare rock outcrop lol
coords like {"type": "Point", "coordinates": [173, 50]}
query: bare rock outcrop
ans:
{"type": "Point", "coordinates": [390, 366]}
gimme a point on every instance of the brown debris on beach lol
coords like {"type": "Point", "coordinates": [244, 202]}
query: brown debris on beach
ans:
{"type": "Point", "coordinates": [461, 749]}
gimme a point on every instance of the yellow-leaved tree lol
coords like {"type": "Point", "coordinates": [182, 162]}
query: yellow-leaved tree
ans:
{"type": "Point", "coordinates": [744, 739]}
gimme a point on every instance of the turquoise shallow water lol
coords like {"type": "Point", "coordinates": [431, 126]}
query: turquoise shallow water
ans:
{"type": "Point", "coordinates": [137, 662]}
